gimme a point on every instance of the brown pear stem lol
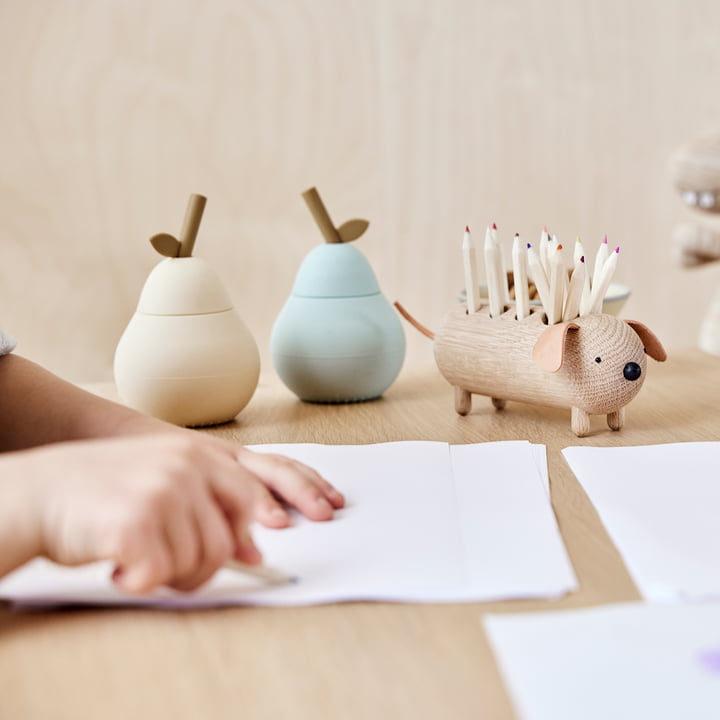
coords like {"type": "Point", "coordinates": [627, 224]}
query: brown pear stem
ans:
{"type": "Point", "coordinates": [317, 208]}
{"type": "Point", "coordinates": [191, 224]}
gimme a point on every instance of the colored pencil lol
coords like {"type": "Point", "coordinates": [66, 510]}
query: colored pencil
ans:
{"type": "Point", "coordinates": [599, 288]}
{"type": "Point", "coordinates": [471, 273]}
{"type": "Point", "coordinates": [520, 278]}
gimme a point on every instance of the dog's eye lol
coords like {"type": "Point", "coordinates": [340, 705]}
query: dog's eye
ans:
{"type": "Point", "coordinates": [598, 359]}
{"type": "Point", "coordinates": [645, 350]}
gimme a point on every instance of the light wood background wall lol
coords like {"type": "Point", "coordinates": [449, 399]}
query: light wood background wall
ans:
{"type": "Point", "coordinates": [421, 115]}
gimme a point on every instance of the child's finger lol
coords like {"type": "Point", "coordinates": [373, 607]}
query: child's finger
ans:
{"type": "Point", "coordinates": [183, 540]}
{"type": "Point", "coordinates": [295, 483]}
{"type": "Point", "coordinates": [267, 510]}
{"type": "Point", "coordinates": [215, 539]}
{"type": "Point", "coordinates": [147, 570]}
{"type": "Point", "coordinates": [237, 492]}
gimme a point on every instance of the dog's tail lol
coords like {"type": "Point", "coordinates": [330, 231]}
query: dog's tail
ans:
{"type": "Point", "coordinates": [413, 321]}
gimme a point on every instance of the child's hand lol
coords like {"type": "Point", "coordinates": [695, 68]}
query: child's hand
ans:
{"type": "Point", "coordinates": [168, 509]}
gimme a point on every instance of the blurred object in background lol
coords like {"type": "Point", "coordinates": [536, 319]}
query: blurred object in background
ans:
{"type": "Point", "coordinates": [695, 172]}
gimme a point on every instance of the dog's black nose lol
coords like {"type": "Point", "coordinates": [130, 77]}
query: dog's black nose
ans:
{"type": "Point", "coordinates": [632, 371]}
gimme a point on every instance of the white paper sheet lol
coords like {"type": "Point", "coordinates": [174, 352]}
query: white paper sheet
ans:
{"type": "Point", "coordinates": [618, 662]}
{"type": "Point", "coordinates": [661, 506]}
{"type": "Point", "coordinates": [424, 522]}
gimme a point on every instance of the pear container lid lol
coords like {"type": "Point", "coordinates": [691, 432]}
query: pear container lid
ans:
{"type": "Point", "coordinates": [335, 270]}
{"type": "Point", "coordinates": [183, 286]}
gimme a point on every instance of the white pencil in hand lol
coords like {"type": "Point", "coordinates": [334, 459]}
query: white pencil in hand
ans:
{"type": "Point", "coordinates": [492, 264]}
{"type": "Point", "coordinates": [598, 290]}
{"type": "Point", "coordinates": [262, 572]}
{"type": "Point", "coordinates": [471, 273]}
{"type": "Point", "coordinates": [575, 290]}
{"type": "Point", "coordinates": [520, 278]}
{"type": "Point", "coordinates": [557, 286]}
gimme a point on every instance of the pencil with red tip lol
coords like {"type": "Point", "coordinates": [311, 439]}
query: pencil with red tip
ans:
{"type": "Point", "coordinates": [493, 264]}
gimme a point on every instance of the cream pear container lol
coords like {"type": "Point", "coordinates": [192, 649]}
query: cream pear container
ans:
{"type": "Point", "coordinates": [186, 356]}
{"type": "Point", "coordinates": [337, 339]}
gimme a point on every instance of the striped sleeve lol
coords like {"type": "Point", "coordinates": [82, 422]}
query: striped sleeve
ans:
{"type": "Point", "coordinates": [7, 343]}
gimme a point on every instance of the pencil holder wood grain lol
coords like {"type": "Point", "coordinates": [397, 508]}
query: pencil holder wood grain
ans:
{"type": "Point", "coordinates": [592, 365]}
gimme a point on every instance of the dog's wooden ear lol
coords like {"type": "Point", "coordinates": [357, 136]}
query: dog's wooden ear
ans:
{"type": "Point", "coordinates": [653, 346]}
{"type": "Point", "coordinates": [549, 350]}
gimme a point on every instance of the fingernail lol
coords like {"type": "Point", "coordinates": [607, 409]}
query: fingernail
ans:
{"type": "Point", "coordinates": [278, 513]}
{"type": "Point", "coordinates": [323, 503]}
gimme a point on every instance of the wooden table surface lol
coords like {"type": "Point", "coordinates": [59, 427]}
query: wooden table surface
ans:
{"type": "Point", "coordinates": [351, 660]}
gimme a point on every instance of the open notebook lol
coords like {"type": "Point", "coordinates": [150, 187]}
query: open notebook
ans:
{"type": "Point", "coordinates": [424, 522]}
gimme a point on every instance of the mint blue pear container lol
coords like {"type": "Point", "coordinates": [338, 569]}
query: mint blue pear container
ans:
{"type": "Point", "coordinates": [337, 339]}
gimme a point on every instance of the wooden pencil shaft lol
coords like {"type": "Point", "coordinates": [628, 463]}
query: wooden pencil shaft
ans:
{"type": "Point", "coordinates": [471, 283]}
{"type": "Point", "coordinates": [520, 279]}
{"type": "Point", "coordinates": [500, 267]}
{"type": "Point", "coordinates": [492, 277]}
{"type": "Point", "coordinates": [320, 214]}
{"type": "Point", "coordinates": [539, 278]}
{"type": "Point", "coordinates": [575, 289]}
{"type": "Point", "coordinates": [191, 224]}
{"type": "Point", "coordinates": [599, 288]}
{"type": "Point", "coordinates": [557, 286]}
{"type": "Point", "coordinates": [600, 260]}
{"type": "Point", "coordinates": [578, 251]}
{"type": "Point", "coordinates": [543, 250]}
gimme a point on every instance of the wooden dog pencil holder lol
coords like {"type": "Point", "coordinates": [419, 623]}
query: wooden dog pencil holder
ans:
{"type": "Point", "coordinates": [593, 365]}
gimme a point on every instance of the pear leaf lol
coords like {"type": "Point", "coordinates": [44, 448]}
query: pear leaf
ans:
{"type": "Point", "coordinates": [165, 244]}
{"type": "Point", "coordinates": [352, 229]}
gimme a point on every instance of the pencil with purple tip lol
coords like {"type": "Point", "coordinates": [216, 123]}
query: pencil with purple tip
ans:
{"type": "Point", "coordinates": [543, 249]}
{"type": "Point", "coordinates": [599, 288]}
{"type": "Point", "coordinates": [578, 250]}
{"type": "Point", "coordinates": [537, 273]}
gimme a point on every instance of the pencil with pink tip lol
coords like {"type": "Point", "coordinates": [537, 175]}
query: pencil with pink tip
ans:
{"type": "Point", "coordinates": [600, 260]}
